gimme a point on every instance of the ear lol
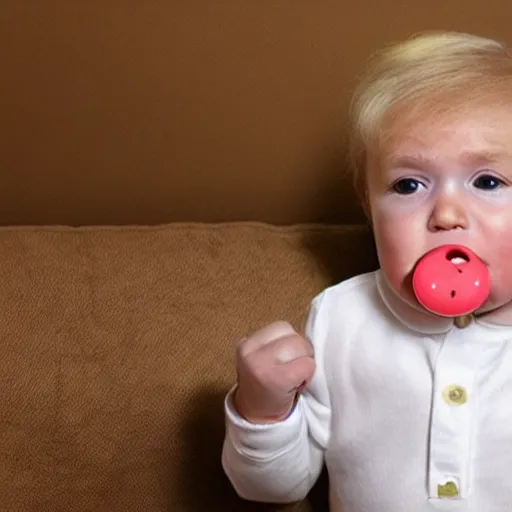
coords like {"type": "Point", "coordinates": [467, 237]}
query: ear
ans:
{"type": "Point", "coordinates": [365, 203]}
{"type": "Point", "coordinates": [364, 200]}
{"type": "Point", "coordinates": [361, 188]}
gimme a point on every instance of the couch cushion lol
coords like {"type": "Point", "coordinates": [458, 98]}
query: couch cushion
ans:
{"type": "Point", "coordinates": [117, 350]}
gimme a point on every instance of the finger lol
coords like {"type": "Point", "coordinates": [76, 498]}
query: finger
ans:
{"type": "Point", "coordinates": [299, 373]}
{"type": "Point", "coordinates": [267, 334]}
{"type": "Point", "coordinates": [282, 350]}
{"type": "Point", "coordinates": [289, 377]}
{"type": "Point", "coordinates": [292, 347]}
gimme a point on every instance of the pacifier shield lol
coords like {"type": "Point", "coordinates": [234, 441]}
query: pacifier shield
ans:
{"type": "Point", "coordinates": [451, 280]}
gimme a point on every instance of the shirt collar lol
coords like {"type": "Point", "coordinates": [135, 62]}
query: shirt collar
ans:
{"type": "Point", "coordinates": [420, 320]}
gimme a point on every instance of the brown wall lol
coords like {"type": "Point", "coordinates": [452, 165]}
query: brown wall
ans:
{"type": "Point", "coordinates": [155, 111]}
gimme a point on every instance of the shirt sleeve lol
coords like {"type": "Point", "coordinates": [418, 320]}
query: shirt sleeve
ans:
{"type": "Point", "coordinates": [280, 462]}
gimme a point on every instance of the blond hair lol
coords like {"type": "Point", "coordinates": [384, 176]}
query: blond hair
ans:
{"type": "Point", "coordinates": [430, 71]}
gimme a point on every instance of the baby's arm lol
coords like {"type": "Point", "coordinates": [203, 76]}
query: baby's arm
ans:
{"type": "Point", "coordinates": [279, 462]}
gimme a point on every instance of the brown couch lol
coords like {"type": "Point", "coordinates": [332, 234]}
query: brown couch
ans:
{"type": "Point", "coordinates": [117, 351]}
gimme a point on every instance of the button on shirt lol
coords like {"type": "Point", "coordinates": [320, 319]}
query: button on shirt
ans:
{"type": "Point", "coordinates": [408, 412]}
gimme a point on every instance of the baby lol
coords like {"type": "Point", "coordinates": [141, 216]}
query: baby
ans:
{"type": "Point", "coordinates": [409, 409]}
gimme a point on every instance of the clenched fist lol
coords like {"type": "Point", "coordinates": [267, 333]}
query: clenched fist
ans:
{"type": "Point", "coordinates": [273, 365]}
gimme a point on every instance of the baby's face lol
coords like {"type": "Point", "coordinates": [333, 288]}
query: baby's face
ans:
{"type": "Point", "coordinates": [445, 181]}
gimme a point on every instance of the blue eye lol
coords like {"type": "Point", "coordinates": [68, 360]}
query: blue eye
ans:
{"type": "Point", "coordinates": [406, 186]}
{"type": "Point", "coordinates": [488, 182]}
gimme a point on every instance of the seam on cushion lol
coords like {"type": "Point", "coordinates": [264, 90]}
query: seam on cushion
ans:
{"type": "Point", "coordinates": [181, 226]}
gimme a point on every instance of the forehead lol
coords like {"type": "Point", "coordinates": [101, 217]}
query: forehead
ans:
{"type": "Point", "coordinates": [459, 131]}
{"type": "Point", "coordinates": [485, 126]}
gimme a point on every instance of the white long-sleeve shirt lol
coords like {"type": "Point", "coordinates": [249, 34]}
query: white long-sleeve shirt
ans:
{"type": "Point", "coordinates": [408, 412]}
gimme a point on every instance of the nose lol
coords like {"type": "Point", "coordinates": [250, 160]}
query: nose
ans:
{"type": "Point", "coordinates": [448, 213]}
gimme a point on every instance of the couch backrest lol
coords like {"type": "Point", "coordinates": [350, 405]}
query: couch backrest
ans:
{"type": "Point", "coordinates": [158, 111]}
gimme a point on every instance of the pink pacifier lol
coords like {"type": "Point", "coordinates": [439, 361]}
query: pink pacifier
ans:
{"type": "Point", "coordinates": [451, 281]}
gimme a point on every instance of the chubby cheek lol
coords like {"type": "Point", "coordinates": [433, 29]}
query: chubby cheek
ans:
{"type": "Point", "coordinates": [501, 268]}
{"type": "Point", "coordinates": [398, 245]}
{"type": "Point", "coordinates": [495, 244]}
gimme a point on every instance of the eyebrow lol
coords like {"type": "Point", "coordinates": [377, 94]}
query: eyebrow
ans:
{"type": "Point", "coordinates": [420, 161]}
